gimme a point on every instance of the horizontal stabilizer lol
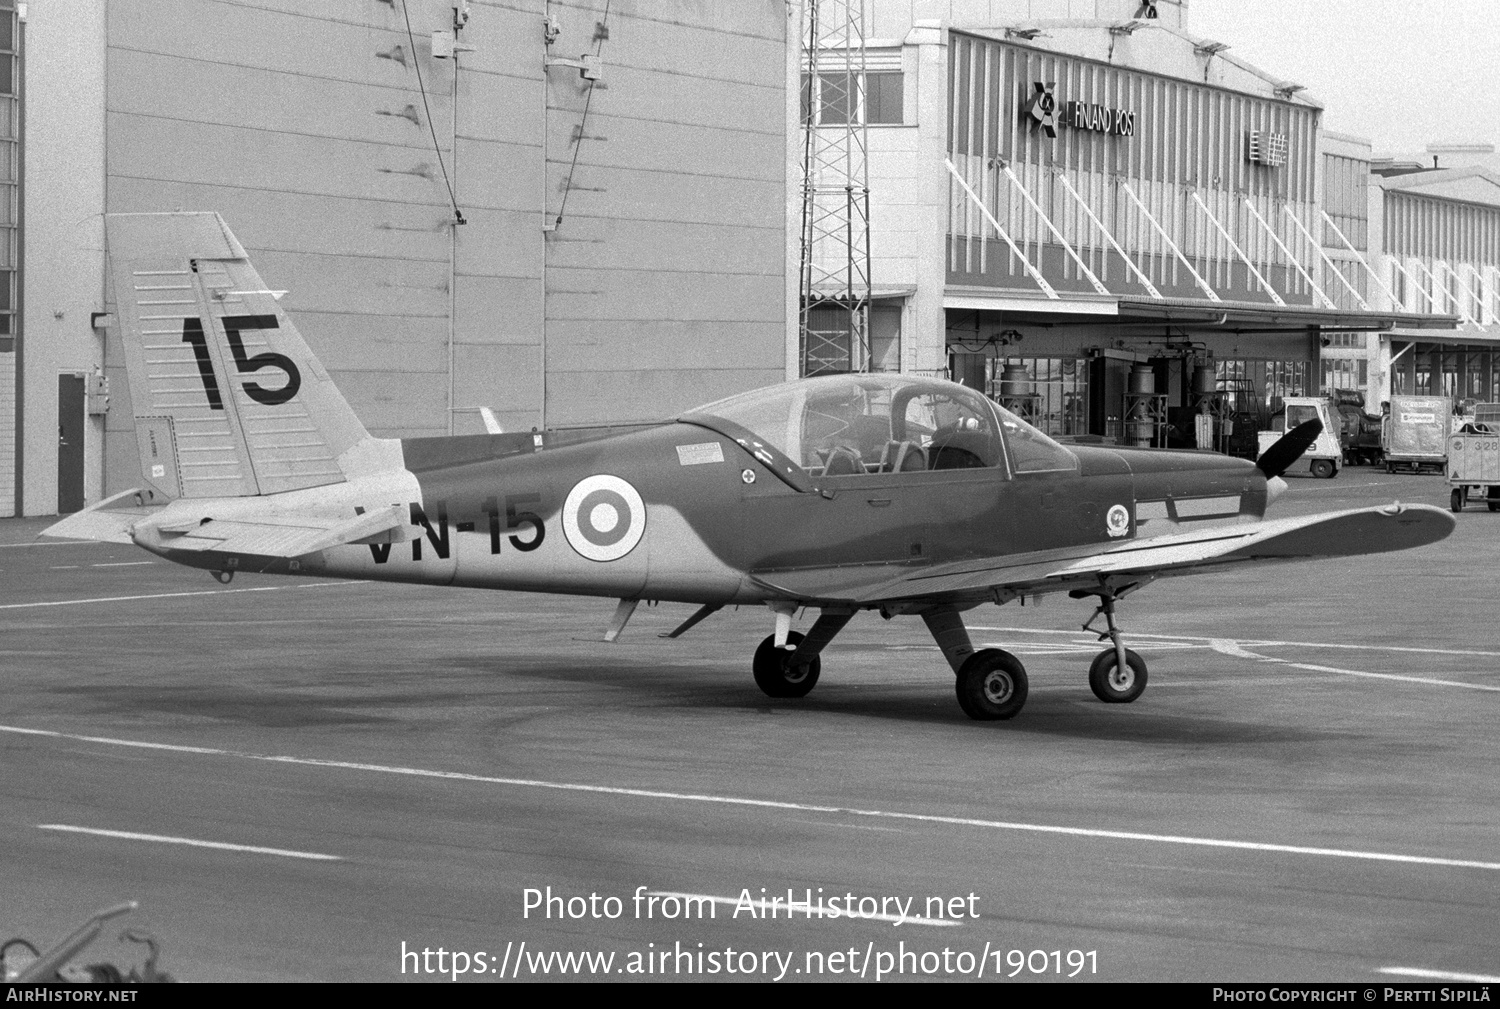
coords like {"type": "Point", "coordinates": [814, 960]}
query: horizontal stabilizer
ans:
{"type": "Point", "coordinates": [108, 521]}
{"type": "Point", "coordinates": [272, 535]}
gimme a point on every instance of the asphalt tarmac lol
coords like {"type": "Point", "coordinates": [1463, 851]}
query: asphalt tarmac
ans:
{"type": "Point", "coordinates": [295, 778]}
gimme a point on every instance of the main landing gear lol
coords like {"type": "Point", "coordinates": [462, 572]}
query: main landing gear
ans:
{"type": "Point", "coordinates": [786, 663]}
{"type": "Point", "coordinates": [990, 683]}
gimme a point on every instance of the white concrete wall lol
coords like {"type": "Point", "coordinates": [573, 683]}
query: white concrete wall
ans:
{"type": "Point", "coordinates": [926, 349]}
{"type": "Point", "coordinates": [64, 255]}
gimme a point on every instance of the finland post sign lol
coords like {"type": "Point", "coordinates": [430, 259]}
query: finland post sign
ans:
{"type": "Point", "coordinates": [1041, 109]}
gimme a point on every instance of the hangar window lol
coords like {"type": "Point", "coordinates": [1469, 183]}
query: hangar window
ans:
{"type": "Point", "coordinates": [832, 348]}
{"type": "Point", "coordinates": [879, 102]}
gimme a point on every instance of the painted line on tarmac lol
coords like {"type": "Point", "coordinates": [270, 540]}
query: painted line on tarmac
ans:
{"type": "Point", "coordinates": [190, 841]}
{"type": "Point", "coordinates": [1230, 647]}
{"type": "Point", "coordinates": [773, 906]}
{"type": "Point", "coordinates": [175, 595]}
{"type": "Point", "coordinates": [1441, 975]}
{"type": "Point", "coordinates": [729, 800]}
{"type": "Point", "coordinates": [1258, 642]}
{"type": "Point", "coordinates": [1431, 681]}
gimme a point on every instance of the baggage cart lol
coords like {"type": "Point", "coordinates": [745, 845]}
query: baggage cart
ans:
{"type": "Point", "coordinates": [1474, 459]}
{"type": "Point", "coordinates": [1415, 433]}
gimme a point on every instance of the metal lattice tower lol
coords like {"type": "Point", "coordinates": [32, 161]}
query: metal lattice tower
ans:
{"type": "Point", "coordinates": [835, 263]}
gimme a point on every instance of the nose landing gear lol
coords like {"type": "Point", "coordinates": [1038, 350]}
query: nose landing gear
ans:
{"type": "Point", "coordinates": [1117, 675]}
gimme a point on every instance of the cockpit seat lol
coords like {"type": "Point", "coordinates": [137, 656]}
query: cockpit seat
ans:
{"type": "Point", "coordinates": [960, 450]}
{"type": "Point", "coordinates": [843, 461]}
{"type": "Point", "coordinates": [903, 457]}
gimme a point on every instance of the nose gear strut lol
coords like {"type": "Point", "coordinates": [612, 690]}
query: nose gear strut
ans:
{"type": "Point", "coordinates": [1117, 675]}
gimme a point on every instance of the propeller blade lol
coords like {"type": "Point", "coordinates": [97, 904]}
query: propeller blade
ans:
{"type": "Point", "coordinates": [1275, 460]}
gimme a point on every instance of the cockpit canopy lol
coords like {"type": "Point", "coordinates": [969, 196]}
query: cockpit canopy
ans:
{"type": "Point", "coordinates": [849, 425]}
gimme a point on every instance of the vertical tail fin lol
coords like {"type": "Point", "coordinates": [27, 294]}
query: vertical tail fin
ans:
{"type": "Point", "coordinates": [228, 399]}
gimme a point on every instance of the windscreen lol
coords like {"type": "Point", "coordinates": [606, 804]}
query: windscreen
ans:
{"type": "Point", "coordinates": [850, 425]}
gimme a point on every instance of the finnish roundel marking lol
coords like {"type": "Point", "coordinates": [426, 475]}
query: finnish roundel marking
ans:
{"type": "Point", "coordinates": [1117, 520]}
{"type": "Point", "coordinates": [603, 518]}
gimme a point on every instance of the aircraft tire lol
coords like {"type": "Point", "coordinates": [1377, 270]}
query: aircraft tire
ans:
{"type": "Point", "coordinates": [1112, 689]}
{"type": "Point", "coordinates": [991, 685]}
{"type": "Point", "coordinates": [774, 675]}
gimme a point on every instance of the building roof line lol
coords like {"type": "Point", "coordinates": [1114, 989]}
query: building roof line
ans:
{"type": "Point", "coordinates": [1063, 24]}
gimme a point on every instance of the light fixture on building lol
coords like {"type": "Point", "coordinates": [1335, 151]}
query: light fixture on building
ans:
{"type": "Point", "coordinates": [1286, 89]}
{"type": "Point", "coordinates": [1127, 27]}
{"type": "Point", "coordinates": [1147, 10]}
{"type": "Point", "coordinates": [1023, 33]}
{"type": "Point", "coordinates": [1208, 47]}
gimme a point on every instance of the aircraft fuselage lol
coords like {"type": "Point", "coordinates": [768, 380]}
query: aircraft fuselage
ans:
{"type": "Point", "coordinates": [679, 512]}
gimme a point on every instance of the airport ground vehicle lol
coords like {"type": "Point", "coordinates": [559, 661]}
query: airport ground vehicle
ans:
{"type": "Point", "coordinates": [1359, 431]}
{"type": "Point", "coordinates": [1415, 433]}
{"type": "Point", "coordinates": [1474, 459]}
{"type": "Point", "coordinates": [1324, 456]}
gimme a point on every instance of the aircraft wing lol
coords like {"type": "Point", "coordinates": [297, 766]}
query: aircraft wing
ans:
{"type": "Point", "coordinates": [1330, 534]}
{"type": "Point", "coordinates": [268, 534]}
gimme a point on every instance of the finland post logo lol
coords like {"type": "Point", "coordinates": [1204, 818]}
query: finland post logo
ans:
{"type": "Point", "coordinates": [1041, 107]}
{"type": "Point", "coordinates": [603, 518]}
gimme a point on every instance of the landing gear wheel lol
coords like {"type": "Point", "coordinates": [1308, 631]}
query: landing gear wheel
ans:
{"type": "Point", "coordinates": [1456, 500]}
{"type": "Point", "coordinates": [991, 685]}
{"type": "Point", "coordinates": [1323, 469]}
{"type": "Point", "coordinates": [1113, 685]}
{"type": "Point", "coordinates": [775, 674]}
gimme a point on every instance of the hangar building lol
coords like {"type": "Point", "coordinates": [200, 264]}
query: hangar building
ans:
{"type": "Point", "coordinates": [1103, 220]}
{"type": "Point", "coordinates": [1434, 226]}
{"type": "Point", "coordinates": [620, 171]}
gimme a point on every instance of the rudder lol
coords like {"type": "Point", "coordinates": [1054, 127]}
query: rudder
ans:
{"type": "Point", "coordinates": [228, 399]}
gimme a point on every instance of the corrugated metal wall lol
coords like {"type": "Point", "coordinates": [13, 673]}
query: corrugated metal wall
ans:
{"type": "Point", "coordinates": [1188, 138]}
{"type": "Point", "coordinates": [1445, 255]}
{"type": "Point", "coordinates": [1346, 201]}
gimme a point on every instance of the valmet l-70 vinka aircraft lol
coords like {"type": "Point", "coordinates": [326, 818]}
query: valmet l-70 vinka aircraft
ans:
{"type": "Point", "coordinates": [890, 493]}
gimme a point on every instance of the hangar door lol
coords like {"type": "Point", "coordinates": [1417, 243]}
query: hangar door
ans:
{"type": "Point", "coordinates": [70, 427]}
